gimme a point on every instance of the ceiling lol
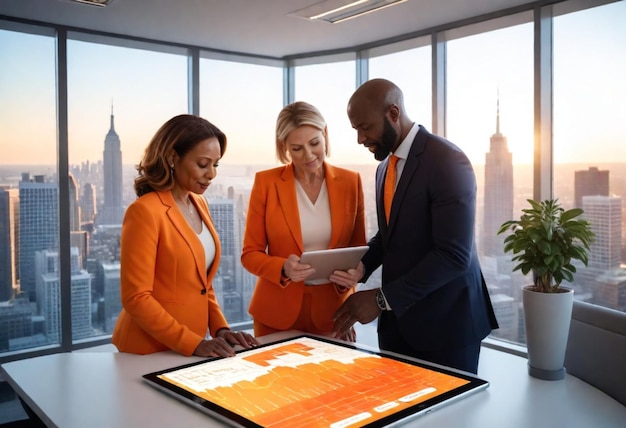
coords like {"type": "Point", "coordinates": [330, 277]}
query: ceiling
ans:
{"type": "Point", "coordinates": [257, 27]}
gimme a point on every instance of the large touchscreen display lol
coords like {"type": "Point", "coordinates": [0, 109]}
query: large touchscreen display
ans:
{"type": "Point", "coordinates": [310, 382]}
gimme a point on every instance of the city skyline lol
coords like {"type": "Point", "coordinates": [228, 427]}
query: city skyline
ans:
{"type": "Point", "coordinates": [246, 108]}
{"type": "Point", "coordinates": [488, 111]}
{"type": "Point", "coordinates": [95, 249]}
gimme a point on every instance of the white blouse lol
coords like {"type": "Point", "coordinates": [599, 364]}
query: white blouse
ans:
{"type": "Point", "coordinates": [209, 245]}
{"type": "Point", "coordinates": [314, 219]}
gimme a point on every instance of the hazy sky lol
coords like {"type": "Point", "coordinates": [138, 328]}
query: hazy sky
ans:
{"type": "Point", "coordinates": [147, 88]}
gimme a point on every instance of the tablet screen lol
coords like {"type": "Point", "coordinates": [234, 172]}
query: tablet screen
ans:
{"type": "Point", "coordinates": [326, 262]}
{"type": "Point", "coordinates": [308, 381]}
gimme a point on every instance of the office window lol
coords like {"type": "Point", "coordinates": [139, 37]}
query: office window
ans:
{"type": "Point", "coordinates": [243, 100]}
{"type": "Point", "coordinates": [329, 87]}
{"type": "Point", "coordinates": [490, 117]}
{"type": "Point", "coordinates": [29, 231]}
{"type": "Point", "coordinates": [131, 88]}
{"type": "Point", "coordinates": [411, 71]}
{"type": "Point", "coordinates": [117, 98]}
{"type": "Point", "coordinates": [589, 136]}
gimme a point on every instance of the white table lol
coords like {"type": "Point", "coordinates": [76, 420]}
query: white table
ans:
{"type": "Point", "coordinates": [105, 389]}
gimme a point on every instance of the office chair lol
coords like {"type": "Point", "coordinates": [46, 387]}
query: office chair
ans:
{"type": "Point", "coordinates": [596, 348]}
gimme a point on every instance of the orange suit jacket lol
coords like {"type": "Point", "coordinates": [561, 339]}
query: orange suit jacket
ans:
{"type": "Point", "coordinates": [273, 232]}
{"type": "Point", "coordinates": [163, 279]}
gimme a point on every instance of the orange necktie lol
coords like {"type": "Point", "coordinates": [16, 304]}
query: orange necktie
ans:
{"type": "Point", "coordinates": [390, 184]}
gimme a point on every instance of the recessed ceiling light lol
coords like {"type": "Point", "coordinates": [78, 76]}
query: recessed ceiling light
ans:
{"type": "Point", "coordinates": [336, 11]}
{"type": "Point", "coordinates": [99, 3]}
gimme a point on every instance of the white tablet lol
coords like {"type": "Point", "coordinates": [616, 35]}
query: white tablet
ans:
{"type": "Point", "coordinates": [326, 262]}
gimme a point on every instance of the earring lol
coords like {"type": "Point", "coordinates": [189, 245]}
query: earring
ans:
{"type": "Point", "coordinates": [172, 169]}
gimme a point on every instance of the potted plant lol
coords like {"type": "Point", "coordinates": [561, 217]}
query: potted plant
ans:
{"type": "Point", "coordinates": [545, 241]}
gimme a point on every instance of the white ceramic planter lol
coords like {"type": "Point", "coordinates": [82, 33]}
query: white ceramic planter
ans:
{"type": "Point", "coordinates": [547, 319]}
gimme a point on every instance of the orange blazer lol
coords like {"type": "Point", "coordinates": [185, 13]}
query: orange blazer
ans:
{"type": "Point", "coordinates": [167, 295]}
{"type": "Point", "coordinates": [273, 232]}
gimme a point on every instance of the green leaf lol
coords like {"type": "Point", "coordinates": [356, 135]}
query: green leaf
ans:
{"type": "Point", "coordinates": [544, 247]}
{"type": "Point", "coordinates": [546, 239]}
{"type": "Point", "coordinates": [570, 214]}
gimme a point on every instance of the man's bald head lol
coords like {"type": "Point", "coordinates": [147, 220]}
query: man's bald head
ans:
{"type": "Point", "coordinates": [378, 94]}
{"type": "Point", "coordinates": [376, 112]}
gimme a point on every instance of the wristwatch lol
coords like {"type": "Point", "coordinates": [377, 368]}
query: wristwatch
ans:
{"type": "Point", "coordinates": [284, 279]}
{"type": "Point", "coordinates": [380, 300]}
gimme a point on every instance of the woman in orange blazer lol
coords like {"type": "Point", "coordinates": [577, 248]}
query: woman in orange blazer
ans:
{"type": "Point", "coordinates": [170, 250]}
{"type": "Point", "coordinates": [305, 205]}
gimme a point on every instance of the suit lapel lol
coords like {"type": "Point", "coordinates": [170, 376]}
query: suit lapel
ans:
{"type": "Point", "coordinates": [410, 168]}
{"type": "Point", "coordinates": [381, 171]}
{"type": "Point", "coordinates": [286, 191]}
{"type": "Point", "coordinates": [336, 199]}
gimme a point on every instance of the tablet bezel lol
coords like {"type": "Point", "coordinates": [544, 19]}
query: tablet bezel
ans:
{"type": "Point", "coordinates": [326, 262]}
{"type": "Point", "coordinates": [474, 384]}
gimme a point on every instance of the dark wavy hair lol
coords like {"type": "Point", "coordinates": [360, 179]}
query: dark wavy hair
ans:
{"type": "Point", "coordinates": [180, 134]}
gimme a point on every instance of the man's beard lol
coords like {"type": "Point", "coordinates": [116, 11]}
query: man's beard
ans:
{"type": "Point", "coordinates": [387, 141]}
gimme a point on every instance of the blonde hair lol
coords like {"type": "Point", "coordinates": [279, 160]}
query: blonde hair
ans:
{"type": "Point", "coordinates": [293, 116]}
{"type": "Point", "coordinates": [180, 134]}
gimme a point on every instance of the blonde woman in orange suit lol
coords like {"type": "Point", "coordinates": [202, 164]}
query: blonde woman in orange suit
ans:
{"type": "Point", "coordinates": [304, 205]}
{"type": "Point", "coordinates": [170, 250]}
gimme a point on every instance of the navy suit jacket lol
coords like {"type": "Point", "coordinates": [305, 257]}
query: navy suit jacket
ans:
{"type": "Point", "coordinates": [431, 276]}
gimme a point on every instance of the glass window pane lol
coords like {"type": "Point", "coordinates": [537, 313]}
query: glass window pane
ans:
{"type": "Point", "coordinates": [242, 100]}
{"type": "Point", "coordinates": [490, 117]}
{"type": "Point", "coordinates": [411, 71]}
{"type": "Point", "coordinates": [117, 98]}
{"type": "Point", "coordinates": [329, 87]}
{"type": "Point", "coordinates": [29, 226]}
{"type": "Point", "coordinates": [589, 134]}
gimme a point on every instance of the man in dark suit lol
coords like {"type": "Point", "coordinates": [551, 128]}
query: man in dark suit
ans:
{"type": "Point", "coordinates": [433, 303]}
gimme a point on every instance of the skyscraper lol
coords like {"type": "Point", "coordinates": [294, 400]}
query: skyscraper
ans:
{"type": "Point", "coordinates": [75, 218]}
{"type": "Point", "coordinates": [498, 206]}
{"type": "Point", "coordinates": [604, 279]}
{"type": "Point", "coordinates": [112, 302]}
{"type": "Point", "coordinates": [605, 215]}
{"type": "Point", "coordinates": [88, 203]}
{"type": "Point", "coordinates": [78, 237]}
{"type": "Point", "coordinates": [46, 268]}
{"type": "Point", "coordinates": [8, 241]}
{"type": "Point", "coordinates": [228, 289]}
{"type": "Point", "coordinates": [590, 182]}
{"type": "Point", "coordinates": [39, 223]}
{"type": "Point", "coordinates": [112, 211]}
{"type": "Point", "coordinates": [15, 324]}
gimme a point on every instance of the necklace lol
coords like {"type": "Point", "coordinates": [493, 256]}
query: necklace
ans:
{"type": "Point", "coordinates": [187, 205]}
{"type": "Point", "coordinates": [189, 212]}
